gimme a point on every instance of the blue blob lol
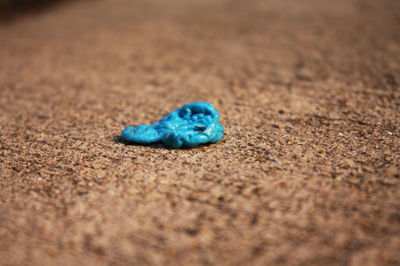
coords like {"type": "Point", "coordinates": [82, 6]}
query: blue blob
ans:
{"type": "Point", "coordinates": [187, 127]}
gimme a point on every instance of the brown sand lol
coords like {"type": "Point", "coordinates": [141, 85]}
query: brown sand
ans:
{"type": "Point", "coordinates": [307, 173]}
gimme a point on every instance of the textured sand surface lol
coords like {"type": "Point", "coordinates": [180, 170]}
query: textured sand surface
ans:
{"type": "Point", "coordinates": [308, 171]}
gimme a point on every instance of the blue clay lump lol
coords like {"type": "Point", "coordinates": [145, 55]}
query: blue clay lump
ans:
{"type": "Point", "coordinates": [187, 127]}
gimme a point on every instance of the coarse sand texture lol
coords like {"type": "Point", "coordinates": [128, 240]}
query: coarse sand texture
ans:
{"type": "Point", "coordinates": [307, 171]}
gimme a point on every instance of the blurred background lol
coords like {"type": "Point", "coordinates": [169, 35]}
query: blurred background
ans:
{"type": "Point", "coordinates": [308, 172]}
{"type": "Point", "coordinates": [9, 9]}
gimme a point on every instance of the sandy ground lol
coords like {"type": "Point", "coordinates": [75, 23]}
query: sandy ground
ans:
{"type": "Point", "coordinates": [308, 171]}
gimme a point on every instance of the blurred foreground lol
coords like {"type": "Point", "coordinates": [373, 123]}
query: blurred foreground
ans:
{"type": "Point", "coordinates": [307, 172]}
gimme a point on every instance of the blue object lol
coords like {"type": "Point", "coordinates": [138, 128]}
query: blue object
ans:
{"type": "Point", "coordinates": [187, 127]}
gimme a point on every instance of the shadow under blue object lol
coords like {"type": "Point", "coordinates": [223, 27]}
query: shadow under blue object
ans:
{"type": "Point", "coordinates": [187, 127]}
